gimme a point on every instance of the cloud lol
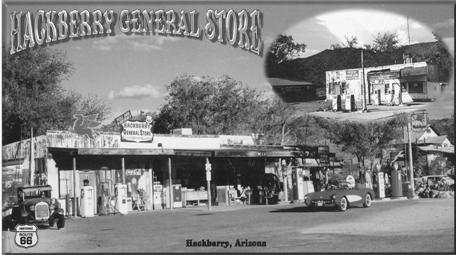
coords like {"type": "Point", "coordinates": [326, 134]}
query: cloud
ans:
{"type": "Point", "coordinates": [134, 42]}
{"type": "Point", "coordinates": [137, 92]}
{"type": "Point", "coordinates": [366, 24]}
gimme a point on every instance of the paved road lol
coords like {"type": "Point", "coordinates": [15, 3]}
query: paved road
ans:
{"type": "Point", "coordinates": [394, 226]}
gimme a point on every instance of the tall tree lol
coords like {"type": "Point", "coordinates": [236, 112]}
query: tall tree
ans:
{"type": "Point", "coordinates": [350, 42]}
{"type": "Point", "coordinates": [442, 58]}
{"type": "Point", "coordinates": [283, 48]}
{"type": "Point", "coordinates": [33, 96]}
{"type": "Point", "coordinates": [208, 106]}
{"type": "Point", "coordinates": [363, 140]}
{"type": "Point", "coordinates": [386, 42]}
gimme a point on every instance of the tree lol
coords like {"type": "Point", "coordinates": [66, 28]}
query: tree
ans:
{"type": "Point", "coordinates": [33, 97]}
{"type": "Point", "coordinates": [442, 58]}
{"type": "Point", "coordinates": [93, 104]}
{"type": "Point", "coordinates": [363, 140]}
{"type": "Point", "coordinates": [386, 42]}
{"type": "Point", "coordinates": [208, 106]}
{"type": "Point", "coordinates": [283, 48]}
{"type": "Point", "coordinates": [350, 42]}
{"type": "Point", "coordinates": [31, 92]}
{"type": "Point", "coordinates": [275, 120]}
{"type": "Point", "coordinates": [445, 127]}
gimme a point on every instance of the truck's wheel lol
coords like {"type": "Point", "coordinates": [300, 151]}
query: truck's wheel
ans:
{"type": "Point", "coordinates": [8, 223]}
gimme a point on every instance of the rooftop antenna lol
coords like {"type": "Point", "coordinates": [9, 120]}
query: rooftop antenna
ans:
{"type": "Point", "coordinates": [408, 31]}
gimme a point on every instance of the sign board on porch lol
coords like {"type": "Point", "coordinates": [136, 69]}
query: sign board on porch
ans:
{"type": "Point", "coordinates": [419, 119]}
{"type": "Point", "coordinates": [136, 131]}
{"type": "Point", "coordinates": [123, 118]}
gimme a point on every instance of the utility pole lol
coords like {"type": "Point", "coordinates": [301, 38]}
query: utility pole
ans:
{"type": "Point", "coordinates": [32, 159]}
{"type": "Point", "coordinates": [408, 31]}
{"type": "Point", "coordinates": [283, 163]}
{"type": "Point", "coordinates": [409, 129]}
{"type": "Point", "coordinates": [363, 83]}
{"type": "Point", "coordinates": [208, 167]}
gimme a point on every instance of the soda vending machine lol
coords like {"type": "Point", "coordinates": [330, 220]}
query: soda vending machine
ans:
{"type": "Point", "coordinates": [121, 198]}
{"type": "Point", "coordinates": [87, 204]}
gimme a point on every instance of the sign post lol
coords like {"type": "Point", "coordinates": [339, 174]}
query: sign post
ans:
{"type": "Point", "coordinates": [208, 179]}
{"type": "Point", "coordinates": [418, 120]}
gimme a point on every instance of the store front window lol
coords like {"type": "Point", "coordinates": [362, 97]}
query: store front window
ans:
{"type": "Point", "coordinates": [416, 87]}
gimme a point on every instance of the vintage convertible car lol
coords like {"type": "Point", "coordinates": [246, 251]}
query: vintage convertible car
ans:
{"type": "Point", "coordinates": [340, 196]}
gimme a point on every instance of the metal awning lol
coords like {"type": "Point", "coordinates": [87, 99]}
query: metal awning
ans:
{"type": "Point", "coordinates": [256, 153]}
{"type": "Point", "coordinates": [414, 71]}
{"type": "Point", "coordinates": [123, 151]}
{"type": "Point", "coordinates": [193, 153]}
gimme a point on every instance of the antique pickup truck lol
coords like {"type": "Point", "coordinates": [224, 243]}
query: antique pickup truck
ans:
{"type": "Point", "coordinates": [34, 205]}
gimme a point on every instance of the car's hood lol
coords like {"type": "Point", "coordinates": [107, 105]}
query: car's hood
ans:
{"type": "Point", "coordinates": [34, 201]}
{"type": "Point", "coordinates": [325, 194]}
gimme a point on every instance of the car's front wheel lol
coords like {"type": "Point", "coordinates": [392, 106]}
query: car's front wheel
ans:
{"type": "Point", "coordinates": [367, 201]}
{"type": "Point", "coordinates": [343, 204]}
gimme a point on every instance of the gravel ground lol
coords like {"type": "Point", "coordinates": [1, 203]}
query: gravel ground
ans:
{"type": "Point", "coordinates": [424, 225]}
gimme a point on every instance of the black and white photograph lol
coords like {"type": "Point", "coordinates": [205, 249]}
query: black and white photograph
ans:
{"type": "Point", "coordinates": [244, 127]}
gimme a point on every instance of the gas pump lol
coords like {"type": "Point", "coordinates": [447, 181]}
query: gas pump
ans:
{"type": "Point", "coordinates": [121, 198]}
{"type": "Point", "coordinates": [87, 204]}
{"type": "Point", "coordinates": [396, 182]}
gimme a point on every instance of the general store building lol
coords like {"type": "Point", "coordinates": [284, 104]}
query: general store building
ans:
{"type": "Point", "coordinates": [385, 84]}
{"type": "Point", "coordinates": [65, 160]}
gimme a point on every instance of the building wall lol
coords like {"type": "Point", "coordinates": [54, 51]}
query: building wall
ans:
{"type": "Point", "coordinates": [352, 78]}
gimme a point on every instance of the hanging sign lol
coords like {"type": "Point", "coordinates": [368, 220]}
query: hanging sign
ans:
{"type": "Point", "coordinates": [419, 120]}
{"type": "Point", "coordinates": [123, 118]}
{"type": "Point", "coordinates": [136, 131]}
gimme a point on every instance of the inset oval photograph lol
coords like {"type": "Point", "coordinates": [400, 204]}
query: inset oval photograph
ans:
{"type": "Point", "coordinates": [362, 60]}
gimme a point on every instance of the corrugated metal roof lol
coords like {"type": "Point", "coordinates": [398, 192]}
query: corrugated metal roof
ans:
{"type": "Point", "coordinates": [437, 149]}
{"type": "Point", "coordinates": [414, 71]}
{"type": "Point", "coordinates": [285, 82]}
{"type": "Point", "coordinates": [434, 139]}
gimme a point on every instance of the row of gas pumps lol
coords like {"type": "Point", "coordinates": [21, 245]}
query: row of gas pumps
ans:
{"type": "Point", "coordinates": [87, 205]}
{"type": "Point", "coordinates": [384, 185]}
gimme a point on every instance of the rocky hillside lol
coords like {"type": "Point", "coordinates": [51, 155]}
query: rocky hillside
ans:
{"type": "Point", "coordinates": [312, 69]}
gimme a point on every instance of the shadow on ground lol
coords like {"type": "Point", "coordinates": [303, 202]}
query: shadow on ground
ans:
{"type": "Point", "coordinates": [305, 209]}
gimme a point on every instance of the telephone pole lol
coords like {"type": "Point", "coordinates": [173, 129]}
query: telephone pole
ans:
{"type": "Point", "coordinates": [363, 83]}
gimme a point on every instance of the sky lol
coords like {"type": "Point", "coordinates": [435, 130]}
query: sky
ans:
{"type": "Point", "coordinates": [131, 72]}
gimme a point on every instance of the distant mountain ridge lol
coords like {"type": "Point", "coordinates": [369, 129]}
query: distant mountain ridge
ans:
{"type": "Point", "coordinates": [313, 68]}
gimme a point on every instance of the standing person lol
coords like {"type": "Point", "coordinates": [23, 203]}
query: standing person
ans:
{"type": "Point", "coordinates": [368, 178]}
{"type": "Point", "coordinates": [362, 177]}
{"type": "Point", "coordinates": [326, 178]}
{"type": "Point", "coordinates": [317, 180]}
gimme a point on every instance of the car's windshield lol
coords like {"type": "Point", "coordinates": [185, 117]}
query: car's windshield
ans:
{"type": "Point", "coordinates": [35, 193]}
{"type": "Point", "coordinates": [338, 185]}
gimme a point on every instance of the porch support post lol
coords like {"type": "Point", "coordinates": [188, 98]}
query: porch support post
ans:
{"type": "Point", "coordinates": [123, 170]}
{"type": "Point", "coordinates": [171, 198]}
{"type": "Point", "coordinates": [74, 186]}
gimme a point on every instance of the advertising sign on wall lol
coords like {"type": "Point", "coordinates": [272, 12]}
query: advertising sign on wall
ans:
{"type": "Point", "coordinates": [136, 131]}
{"type": "Point", "coordinates": [352, 75]}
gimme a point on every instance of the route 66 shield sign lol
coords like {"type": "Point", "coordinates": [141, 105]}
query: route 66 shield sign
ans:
{"type": "Point", "coordinates": [26, 236]}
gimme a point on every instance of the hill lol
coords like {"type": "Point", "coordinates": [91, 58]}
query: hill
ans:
{"type": "Point", "coordinates": [313, 68]}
